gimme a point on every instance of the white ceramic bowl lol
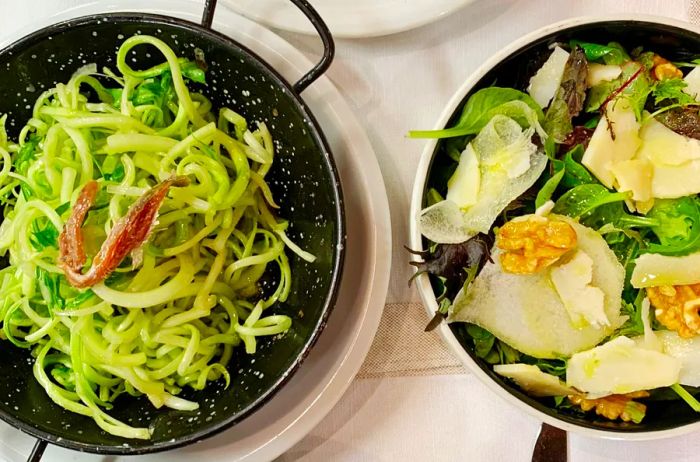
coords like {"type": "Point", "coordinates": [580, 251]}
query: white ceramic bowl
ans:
{"type": "Point", "coordinates": [621, 24]}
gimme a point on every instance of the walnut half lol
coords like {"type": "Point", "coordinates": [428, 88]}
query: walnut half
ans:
{"type": "Point", "coordinates": [664, 69]}
{"type": "Point", "coordinates": [533, 244]}
{"type": "Point", "coordinates": [676, 307]}
{"type": "Point", "coordinates": [614, 407]}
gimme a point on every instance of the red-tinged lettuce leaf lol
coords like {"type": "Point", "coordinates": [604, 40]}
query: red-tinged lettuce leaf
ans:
{"type": "Point", "coordinates": [684, 121]}
{"type": "Point", "coordinates": [569, 99]}
{"type": "Point", "coordinates": [449, 261]}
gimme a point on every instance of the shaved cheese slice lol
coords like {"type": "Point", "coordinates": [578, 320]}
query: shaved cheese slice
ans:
{"type": "Point", "coordinates": [664, 147]}
{"type": "Point", "coordinates": [545, 83]}
{"type": "Point", "coordinates": [531, 379]}
{"type": "Point", "coordinates": [621, 366]}
{"type": "Point", "coordinates": [463, 186]}
{"type": "Point", "coordinates": [693, 83]}
{"type": "Point", "coordinates": [584, 302]}
{"type": "Point", "coordinates": [604, 151]}
{"type": "Point", "coordinates": [634, 175]}
{"type": "Point", "coordinates": [649, 340]}
{"type": "Point", "coordinates": [652, 269]}
{"type": "Point", "coordinates": [509, 165]}
{"type": "Point", "coordinates": [526, 312]}
{"type": "Point", "coordinates": [686, 350]}
{"type": "Point", "coordinates": [444, 223]}
{"type": "Point", "coordinates": [673, 182]}
{"type": "Point", "coordinates": [599, 73]}
{"type": "Point", "coordinates": [676, 160]}
{"type": "Point", "coordinates": [503, 147]}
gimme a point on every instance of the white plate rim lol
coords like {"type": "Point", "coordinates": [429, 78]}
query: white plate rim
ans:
{"type": "Point", "coordinates": [346, 367]}
{"type": "Point", "coordinates": [423, 283]}
{"type": "Point", "coordinates": [346, 22]}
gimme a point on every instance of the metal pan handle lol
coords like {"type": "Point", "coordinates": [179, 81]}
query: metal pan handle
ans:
{"type": "Point", "coordinates": [320, 26]}
{"type": "Point", "coordinates": [37, 451]}
{"type": "Point", "coordinates": [328, 46]}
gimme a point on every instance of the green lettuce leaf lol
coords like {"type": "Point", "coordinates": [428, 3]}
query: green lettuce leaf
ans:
{"type": "Point", "coordinates": [678, 228]}
{"type": "Point", "coordinates": [482, 106]}
{"type": "Point", "coordinates": [612, 53]}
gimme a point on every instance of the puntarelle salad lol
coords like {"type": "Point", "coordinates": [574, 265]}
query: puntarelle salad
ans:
{"type": "Point", "coordinates": [138, 227]}
{"type": "Point", "coordinates": [563, 225]}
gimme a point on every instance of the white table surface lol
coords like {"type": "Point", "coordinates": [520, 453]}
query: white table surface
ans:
{"type": "Point", "coordinates": [395, 84]}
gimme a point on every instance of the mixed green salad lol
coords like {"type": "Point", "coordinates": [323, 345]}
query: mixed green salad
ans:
{"type": "Point", "coordinates": [563, 230]}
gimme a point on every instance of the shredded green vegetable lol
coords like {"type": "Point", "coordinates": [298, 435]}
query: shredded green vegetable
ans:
{"type": "Point", "coordinates": [170, 316]}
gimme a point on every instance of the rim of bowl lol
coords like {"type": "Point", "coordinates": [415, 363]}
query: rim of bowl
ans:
{"type": "Point", "coordinates": [423, 282]}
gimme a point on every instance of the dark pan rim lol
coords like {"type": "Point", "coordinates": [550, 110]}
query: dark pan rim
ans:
{"type": "Point", "coordinates": [338, 251]}
{"type": "Point", "coordinates": [482, 370]}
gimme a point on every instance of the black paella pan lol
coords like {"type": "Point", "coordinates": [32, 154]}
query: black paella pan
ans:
{"type": "Point", "coordinates": [304, 179]}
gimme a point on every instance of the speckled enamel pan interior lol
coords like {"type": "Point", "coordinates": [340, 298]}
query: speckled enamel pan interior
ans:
{"type": "Point", "coordinates": [304, 181]}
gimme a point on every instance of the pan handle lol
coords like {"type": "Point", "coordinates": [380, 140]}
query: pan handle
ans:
{"type": "Point", "coordinates": [37, 451]}
{"type": "Point", "coordinates": [320, 26]}
{"type": "Point", "coordinates": [328, 46]}
{"type": "Point", "coordinates": [208, 14]}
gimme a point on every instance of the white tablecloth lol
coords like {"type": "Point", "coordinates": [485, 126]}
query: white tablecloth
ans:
{"type": "Point", "coordinates": [394, 84]}
{"type": "Point", "coordinates": [399, 83]}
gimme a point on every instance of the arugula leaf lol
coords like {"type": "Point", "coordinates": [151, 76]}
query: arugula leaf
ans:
{"type": "Point", "coordinates": [576, 174]}
{"type": "Point", "coordinates": [596, 206]}
{"type": "Point", "coordinates": [480, 109]}
{"type": "Point", "coordinates": [612, 53]}
{"type": "Point", "coordinates": [692, 63]}
{"type": "Point", "coordinates": [637, 92]}
{"type": "Point", "coordinates": [614, 214]}
{"type": "Point", "coordinates": [487, 346]}
{"type": "Point", "coordinates": [550, 148]}
{"type": "Point", "coordinates": [546, 192]}
{"type": "Point", "coordinates": [686, 396]}
{"type": "Point", "coordinates": [671, 90]}
{"type": "Point", "coordinates": [483, 340]}
{"type": "Point", "coordinates": [592, 122]}
{"type": "Point", "coordinates": [678, 228]}
{"type": "Point", "coordinates": [636, 411]}
{"type": "Point", "coordinates": [583, 199]}
{"type": "Point", "coordinates": [567, 172]}
{"type": "Point", "coordinates": [507, 354]}
{"type": "Point", "coordinates": [634, 325]}
{"type": "Point", "coordinates": [556, 367]}
{"type": "Point", "coordinates": [433, 197]}
{"type": "Point", "coordinates": [454, 147]}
